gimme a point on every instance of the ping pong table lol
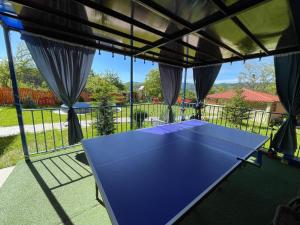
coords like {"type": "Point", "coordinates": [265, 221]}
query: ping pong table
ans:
{"type": "Point", "coordinates": [152, 176]}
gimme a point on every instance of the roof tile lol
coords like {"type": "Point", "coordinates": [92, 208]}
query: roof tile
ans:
{"type": "Point", "coordinates": [250, 95]}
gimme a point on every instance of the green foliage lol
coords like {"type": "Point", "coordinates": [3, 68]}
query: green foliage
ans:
{"type": "Point", "coordinates": [27, 73]}
{"type": "Point", "coordinates": [190, 95]}
{"type": "Point", "coordinates": [28, 103]}
{"type": "Point", "coordinates": [4, 73]}
{"type": "Point", "coordinates": [219, 88]}
{"type": "Point", "coordinates": [139, 117]}
{"type": "Point", "coordinates": [104, 85]}
{"type": "Point", "coordinates": [152, 84]}
{"type": "Point", "coordinates": [237, 108]}
{"type": "Point", "coordinates": [260, 77]}
{"type": "Point", "coordinates": [100, 88]}
{"type": "Point", "coordinates": [28, 76]}
{"type": "Point", "coordinates": [114, 79]}
{"type": "Point", "coordinates": [105, 117]}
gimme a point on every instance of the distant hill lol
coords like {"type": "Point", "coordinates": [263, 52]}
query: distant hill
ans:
{"type": "Point", "coordinates": [227, 85]}
{"type": "Point", "coordinates": [136, 85]}
{"type": "Point", "coordinates": [189, 86]}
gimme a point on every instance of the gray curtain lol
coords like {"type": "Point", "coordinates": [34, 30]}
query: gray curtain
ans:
{"type": "Point", "coordinates": [171, 76]}
{"type": "Point", "coordinates": [287, 72]}
{"type": "Point", "coordinates": [204, 77]}
{"type": "Point", "coordinates": [65, 68]}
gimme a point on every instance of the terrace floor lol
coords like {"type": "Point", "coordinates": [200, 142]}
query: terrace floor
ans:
{"type": "Point", "coordinates": [58, 188]}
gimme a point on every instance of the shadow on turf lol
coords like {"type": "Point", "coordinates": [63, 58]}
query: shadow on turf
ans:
{"type": "Point", "coordinates": [52, 199]}
{"type": "Point", "coordinates": [82, 158]}
{"type": "Point", "coordinates": [65, 169]}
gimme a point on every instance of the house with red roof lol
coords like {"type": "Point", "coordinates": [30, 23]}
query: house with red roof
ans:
{"type": "Point", "coordinates": [258, 100]}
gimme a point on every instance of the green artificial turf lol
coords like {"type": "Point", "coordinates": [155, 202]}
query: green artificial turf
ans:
{"type": "Point", "coordinates": [58, 188]}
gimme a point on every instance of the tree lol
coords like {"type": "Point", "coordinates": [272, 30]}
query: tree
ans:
{"type": "Point", "coordinates": [105, 117]}
{"type": "Point", "coordinates": [237, 108]}
{"type": "Point", "coordinates": [27, 73]}
{"type": "Point", "coordinates": [259, 77]}
{"type": "Point", "coordinates": [4, 73]}
{"type": "Point", "coordinates": [100, 87]}
{"type": "Point", "coordinates": [152, 84]}
{"type": "Point", "coordinates": [114, 79]}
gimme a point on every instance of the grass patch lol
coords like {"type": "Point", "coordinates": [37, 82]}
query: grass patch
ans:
{"type": "Point", "coordinates": [8, 117]}
{"type": "Point", "coordinates": [10, 151]}
{"type": "Point", "coordinates": [47, 116]}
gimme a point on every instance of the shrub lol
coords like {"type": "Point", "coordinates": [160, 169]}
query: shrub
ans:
{"type": "Point", "coordinates": [139, 117]}
{"type": "Point", "coordinates": [105, 117]}
{"type": "Point", "coordinates": [28, 103]}
{"type": "Point", "coordinates": [237, 109]}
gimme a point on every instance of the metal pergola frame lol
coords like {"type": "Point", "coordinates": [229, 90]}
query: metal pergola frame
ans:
{"type": "Point", "coordinates": [151, 50]}
{"type": "Point", "coordinates": [146, 52]}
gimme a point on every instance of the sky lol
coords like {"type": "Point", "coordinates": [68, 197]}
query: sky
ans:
{"type": "Point", "coordinates": [105, 62]}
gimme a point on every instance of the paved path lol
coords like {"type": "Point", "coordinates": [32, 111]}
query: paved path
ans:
{"type": "Point", "coordinates": [14, 130]}
{"type": "Point", "coordinates": [4, 173]}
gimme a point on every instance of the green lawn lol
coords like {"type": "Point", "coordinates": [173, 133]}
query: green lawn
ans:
{"type": "Point", "coordinates": [8, 117]}
{"type": "Point", "coordinates": [11, 147]}
{"type": "Point", "coordinates": [9, 114]}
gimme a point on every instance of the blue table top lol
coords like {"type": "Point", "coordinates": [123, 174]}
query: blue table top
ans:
{"type": "Point", "coordinates": [152, 176]}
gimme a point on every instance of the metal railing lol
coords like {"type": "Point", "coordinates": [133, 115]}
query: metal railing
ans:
{"type": "Point", "coordinates": [47, 128]}
{"type": "Point", "coordinates": [48, 131]}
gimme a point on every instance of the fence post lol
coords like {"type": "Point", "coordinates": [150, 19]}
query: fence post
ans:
{"type": "Point", "coordinates": [183, 95]}
{"type": "Point", "coordinates": [15, 91]}
{"type": "Point", "coordinates": [184, 84]}
{"type": "Point", "coordinates": [131, 71]}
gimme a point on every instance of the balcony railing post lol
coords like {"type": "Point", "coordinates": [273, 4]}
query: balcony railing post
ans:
{"type": "Point", "coordinates": [183, 95]}
{"type": "Point", "coordinates": [131, 71]}
{"type": "Point", "coordinates": [15, 91]}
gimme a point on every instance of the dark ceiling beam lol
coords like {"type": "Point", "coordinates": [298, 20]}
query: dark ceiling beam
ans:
{"type": "Point", "coordinates": [150, 5]}
{"type": "Point", "coordinates": [37, 6]}
{"type": "Point", "coordinates": [199, 51]}
{"type": "Point", "coordinates": [214, 41]}
{"type": "Point", "coordinates": [81, 41]}
{"type": "Point", "coordinates": [158, 9]}
{"type": "Point", "coordinates": [98, 7]}
{"type": "Point", "coordinates": [87, 38]}
{"type": "Point", "coordinates": [209, 20]}
{"type": "Point", "coordinates": [223, 8]}
{"type": "Point", "coordinates": [43, 8]}
{"type": "Point", "coordinates": [65, 29]}
{"type": "Point", "coordinates": [252, 56]}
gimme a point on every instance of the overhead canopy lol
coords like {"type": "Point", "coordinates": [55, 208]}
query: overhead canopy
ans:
{"type": "Point", "coordinates": [241, 29]}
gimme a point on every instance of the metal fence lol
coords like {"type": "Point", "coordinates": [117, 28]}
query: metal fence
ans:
{"type": "Point", "coordinates": [47, 128]}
